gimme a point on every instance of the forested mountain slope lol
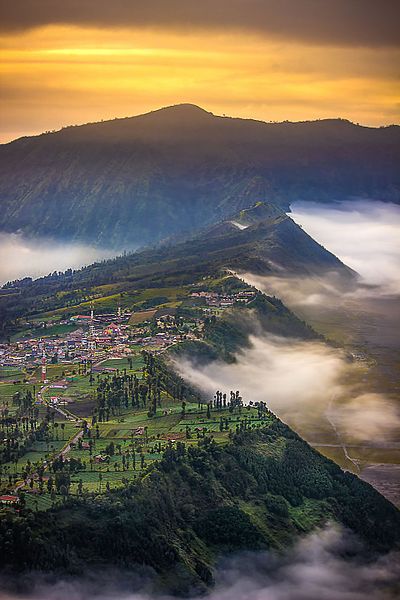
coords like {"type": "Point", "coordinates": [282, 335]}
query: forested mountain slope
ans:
{"type": "Point", "coordinates": [133, 181]}
{"type": "Point", "coordinates": [260, 490]}
{"type": "Point", "coordinates": [271, 243]}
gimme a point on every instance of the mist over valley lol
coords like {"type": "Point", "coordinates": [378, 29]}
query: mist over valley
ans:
{"type": "Point", "coordinates": [22, 257]}
{"type": "Point", "coordinates": [315, 569]}
{"type": "Point", "coordinates": [199, 357]}
{"type": "Point", "coordinates": [364, 234]}
{"type": "Point", "coordinates": [363, 318]}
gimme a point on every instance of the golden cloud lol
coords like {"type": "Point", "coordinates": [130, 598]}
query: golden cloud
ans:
{"type": "Point", "coordinates": [58, 75]}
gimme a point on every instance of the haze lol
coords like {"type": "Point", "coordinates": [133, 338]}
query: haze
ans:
{"type": "Point", "coordinates": [21, 257]}
{"type": "Point", "coordinates": [317, 568]}
{"type": "Point", "coordinates": [365, 235]}
{"type": "Point", "coordinates": [92, 60]}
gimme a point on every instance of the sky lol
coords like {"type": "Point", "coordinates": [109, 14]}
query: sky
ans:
{"type": "Point", "coordinates": [77, 61]}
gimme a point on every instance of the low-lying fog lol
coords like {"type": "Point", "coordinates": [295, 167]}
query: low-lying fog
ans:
{"type": "Point", "coordinates": [363, 317]}
{"type": "Point", "coordinates": [22, 257]}
{"type": "Point", "coordinates": [365, 235]}
{"type": "Point", "coordinates": [315, 569]}
{"type": "Point", "coordinates": [330, 400]}
{"type": "Point", "coordinates": [304, 383]}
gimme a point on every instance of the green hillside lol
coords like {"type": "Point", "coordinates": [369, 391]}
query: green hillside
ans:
{"type": "Point", "coordinates": [257, 488]}
{"type": "Point", "coordinates": [229, 333]}
{"type": "Point", "coordinates": [165, 478]}
{"type": "Point", "coordinates": [271, 243]}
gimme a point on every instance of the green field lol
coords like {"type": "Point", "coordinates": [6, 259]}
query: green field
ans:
{"type": "Point", "coordinates": [123, 363]}
{"type": "Point", "coordinates": [43, 332]}
{"type": "Point", "coordinates": [11, 374]}
{"type": "Point", "coordinates": [127, 299]}
{"type": "Point", "coordinates": [129, 440]}
{"type": "Point", "coordinates": [7, 391]}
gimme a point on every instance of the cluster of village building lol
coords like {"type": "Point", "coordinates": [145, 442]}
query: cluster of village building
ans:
{"type": "Point", "coordinates": [224, 300]}
{"type": "Point", "coordinates": [74, 346]}
{"type": "Point", "coordinates": [95, 337]}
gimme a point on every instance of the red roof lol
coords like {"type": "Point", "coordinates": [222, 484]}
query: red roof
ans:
{"type": "Point", "coordinates": [9, 498]}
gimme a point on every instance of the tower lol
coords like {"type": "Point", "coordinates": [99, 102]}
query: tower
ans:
{"type": "Point", "coordinates": [91, 336]}
{"type": "Point", "coordinates": [44, 368]}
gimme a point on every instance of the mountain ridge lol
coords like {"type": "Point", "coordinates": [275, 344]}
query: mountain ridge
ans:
{"type": "Point", "coordinates": [131, 182]}
{"type": "Point", "coordinates": [268, 245]}
{"type": "Point", "coordinates": [193, 110]}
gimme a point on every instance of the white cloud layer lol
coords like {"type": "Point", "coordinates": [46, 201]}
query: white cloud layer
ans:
{"type": "Point", "coordinates": [300, 382]}
{"type": "Point", "coordinates": [364, 235]}
{"type": "Point", "coordinates": [21, 257]}
{"type": "Point", "coordinates": [313, 570]}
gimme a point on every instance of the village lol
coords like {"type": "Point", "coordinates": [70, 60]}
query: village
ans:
{"type": "Point", "coordinates": [51, 394]}
{"type": "Point", "coordinates": [94, 337]}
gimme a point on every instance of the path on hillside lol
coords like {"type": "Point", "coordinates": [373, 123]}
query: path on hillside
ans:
{"type": "Point", "coordinates": [64, 451]}
{"type": "Point", "coordinates": [339, 436]}
{"type": "Point", "coordinates": [67, 415]}
{"type": "Point", "coordinates": [72, 441]}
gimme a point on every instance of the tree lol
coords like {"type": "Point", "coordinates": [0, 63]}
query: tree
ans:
{"type": "Point", "coordinates": [64, 492]}
{"type": "Point", "coordinates": [62, 479]}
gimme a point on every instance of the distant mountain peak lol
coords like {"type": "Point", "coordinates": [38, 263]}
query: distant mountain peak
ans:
{"type": "Point", "coordinates": [184, 107]}
{"type": "Point", "coordinates": [185, 110]}
{"type": "Point", "coordinates": [135, 181]}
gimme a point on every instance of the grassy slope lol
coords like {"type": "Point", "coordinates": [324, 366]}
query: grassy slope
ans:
{"type": "Point", "coordinates": [258, 488]}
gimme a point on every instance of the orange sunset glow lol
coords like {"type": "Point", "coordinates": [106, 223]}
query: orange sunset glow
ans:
{"type": "Point", "coordinates": [66, 70]}
{"type": "Point", "coordinates": [199, 299]}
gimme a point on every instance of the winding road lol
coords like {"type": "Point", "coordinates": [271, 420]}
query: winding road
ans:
{"type": "Point", "coordinates": [64, 451]}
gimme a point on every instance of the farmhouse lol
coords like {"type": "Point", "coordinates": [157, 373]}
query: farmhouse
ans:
{"type": "Point", "coordinates": [9, 500]}
{"type": "Point", "coordinates": [80, 318]}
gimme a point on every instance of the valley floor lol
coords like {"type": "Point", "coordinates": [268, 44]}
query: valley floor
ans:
{"type": "Point", "coordinates": [368, 330]}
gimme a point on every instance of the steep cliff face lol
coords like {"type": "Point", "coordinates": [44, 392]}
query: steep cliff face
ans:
{"type": "Point", "coordinates": [130, 182]}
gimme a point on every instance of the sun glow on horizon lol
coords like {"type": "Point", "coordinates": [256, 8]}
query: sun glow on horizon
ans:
{"type": "Point", "coordinates": [54, 76]}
